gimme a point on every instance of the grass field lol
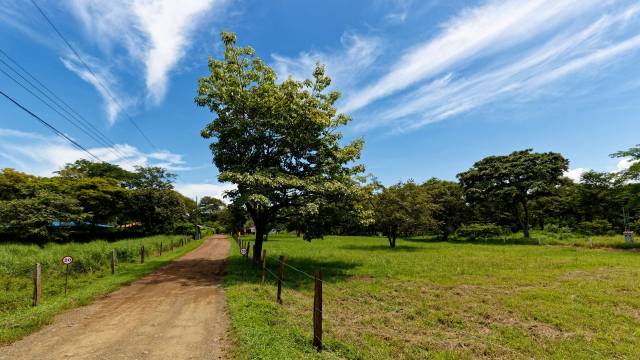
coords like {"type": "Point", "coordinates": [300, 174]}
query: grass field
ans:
{"type": "Point", "coordinates": [442, 300]}
{"type": "Point", "coordinates": [90, 277]}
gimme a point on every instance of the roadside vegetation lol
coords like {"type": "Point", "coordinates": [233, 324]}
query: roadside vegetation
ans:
{"type": "Point", "coordinates": [445, 300]}
{"type": "Point", "coordinates": [89, 276]}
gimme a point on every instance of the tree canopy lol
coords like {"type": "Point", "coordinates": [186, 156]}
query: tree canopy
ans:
{"type": "Point", "coordinates": [277, 141]}
{"type": "Point", "coordinates": [514, 180]}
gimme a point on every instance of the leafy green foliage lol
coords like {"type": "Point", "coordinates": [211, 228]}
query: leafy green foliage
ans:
{"type": "Point", "coordinates": [480, 231]}
{"type": "Point", "coordinates": [404, 209]}
{"type": "Point", "coordinates": [277, 141]}
{"type": "Point", "coordinates": [633, 172]}
{"type": "Point", "coordinates": [87, 194]}
{"type": "Point", "coordinates": [451, 210]}
{"type": "Point", "coordinates": [514, 180]}
{"type": "Point", "coordinates": [595, 227]}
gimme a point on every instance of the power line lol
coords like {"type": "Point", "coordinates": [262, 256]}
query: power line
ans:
{"type": "Point", "coordinates": [71, 121]}
{"type": "Point", "coordinates": [60, 102]}
{"type": "Point", "coordinates": [53, 128]}
{"type": "Point", "coordinates": [107, 91]}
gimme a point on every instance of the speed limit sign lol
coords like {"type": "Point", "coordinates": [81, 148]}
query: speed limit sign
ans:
{"type": "Point", "coordinates": [243, 251]}
{"type": "Point", "coordinates": [67, 260]}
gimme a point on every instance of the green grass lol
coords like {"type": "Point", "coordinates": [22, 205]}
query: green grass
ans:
{"type": "Point", "coordinates": [90, 277]}
{"type": "Point", "coordinates": [440, 300]}
{"type": "Point", "coordinates": [538, 237]}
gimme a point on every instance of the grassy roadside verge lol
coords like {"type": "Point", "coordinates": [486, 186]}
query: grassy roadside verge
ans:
{"type": "Point", "coordinates": [439, 300]}
{"type": "Point", "coordinates": [83, 289]}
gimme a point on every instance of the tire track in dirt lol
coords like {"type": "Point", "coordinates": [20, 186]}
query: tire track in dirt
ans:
{"type": "Point", "coordinates": [178, 312]}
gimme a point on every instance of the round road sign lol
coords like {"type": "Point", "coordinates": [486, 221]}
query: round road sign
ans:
{"type": "Point", "coordinates": [67, 260]}
{"type": "Point", "coordinates": [243, 251]}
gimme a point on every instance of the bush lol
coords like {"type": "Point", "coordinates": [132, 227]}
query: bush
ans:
{"type": "Point", "coordinates": [595, 227]}
{"type": "Point", "coordinates": [480, 231]}
{"type": "Point", "coordinates": [635, 226]}
{"type": "Point", "coordinates": [557, 229]}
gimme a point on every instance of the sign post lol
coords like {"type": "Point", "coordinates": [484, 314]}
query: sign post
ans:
{"type": "Point", "coordinates": [67, 260]}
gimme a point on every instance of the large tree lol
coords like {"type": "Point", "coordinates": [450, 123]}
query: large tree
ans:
{"type": "Point", "coordinates": [514, 180]}
{"type": "Point", "coordinates": [404, 209]}
{"type": "Point", "coordinates": [277, 141]}
{"type": "Point", "coordinates": [451, 209]}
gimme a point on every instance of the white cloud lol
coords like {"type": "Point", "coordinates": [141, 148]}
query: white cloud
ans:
{"type": "Point", "coordinates": [103, 81]}
{"type": "Point", "coordinates": [475, 32]}
{"type": "Point", "coordinates": [42, 155]}
{"type": "Point", "coordinates": [345, 65]}
{"type": "Point", "coordinates": [155, 32]}
{"type": "Point", "coordinates": [191, 190]}
{"type": "Point", "coordinates": [575, 174]}
{"type": "Point", "coordinates": [624, 164]}
{"type": "Point", "coordinates": [563, 55]}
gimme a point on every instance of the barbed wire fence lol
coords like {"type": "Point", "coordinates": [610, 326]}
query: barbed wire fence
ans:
{"type": "Point", "coordinates": [318, 309]}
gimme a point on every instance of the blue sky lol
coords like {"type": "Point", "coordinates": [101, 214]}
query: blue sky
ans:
{"type": "Point", "coordinates": [432, 86]}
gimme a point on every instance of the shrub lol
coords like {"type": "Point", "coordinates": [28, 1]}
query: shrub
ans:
{"type": "Point", "coordinates": [557, 229]}
{"type": "Point", "coordinates": [480, 231]}
{"type": "Point", "coordinates": [595, 227]}
{"type": "Point", "coordinates": [635, 226]}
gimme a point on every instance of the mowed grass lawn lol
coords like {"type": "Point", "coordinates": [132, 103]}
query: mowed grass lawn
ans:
{"type": "Point", "coordinates": [442, 300]}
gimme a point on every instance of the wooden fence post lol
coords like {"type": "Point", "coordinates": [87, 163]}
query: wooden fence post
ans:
{"type": "Point", "coordinates": [264, 264]}
{"type": "Point", "coordinates": [113, 262]}
{"type": "Point", "coordinates": [160, 248]}
{"type": "Point", "coordinates": [280, 278]}
{"type": "Point", "coordinates": [37, 288]}
{"type": "Point", "coordinates": [317, 313]}
{"type": "Point", "coordinates": [142, 254]}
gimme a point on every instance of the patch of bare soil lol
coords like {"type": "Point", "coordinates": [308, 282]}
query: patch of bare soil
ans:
{"type": "Point", "coordinates": [178, 312]}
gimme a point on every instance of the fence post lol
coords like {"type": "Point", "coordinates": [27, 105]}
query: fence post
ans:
{"type": "Point", "coordinates": [160, 248]}
{"type": "Point", "coordinates": [247, 254]}
{"type": "Point", "coordinates": [280, 278]}
{"type": "Point", "coordinates": [37, 288]}
{"type": "Point", "coordinates": [113, 262]}
{"type": "Point", "coordinates": [317, 313]}
{"type": "Point", "coordinates": [142, 254]}
{"type": "Point", "coordinates": [264, 264]}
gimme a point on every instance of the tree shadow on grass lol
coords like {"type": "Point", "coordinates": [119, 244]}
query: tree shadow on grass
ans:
{"type": "Point", "coordinates": [298, 272]}
{"type": "Point", "coordinates": [478, 241]}
{"type": "Point", "coordinates": [381, 248]}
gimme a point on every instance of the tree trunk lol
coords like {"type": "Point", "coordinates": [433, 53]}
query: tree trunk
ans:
{"type": "Point", "coordinates": [257, 246]}
{"type": "Point", "coordinates": [391, 235]}
{"type": "Point", "coordinates": [526, 219]}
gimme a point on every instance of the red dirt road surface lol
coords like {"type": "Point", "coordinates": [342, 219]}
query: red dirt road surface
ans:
{"type": "Point", "coordinates": [178, 312]}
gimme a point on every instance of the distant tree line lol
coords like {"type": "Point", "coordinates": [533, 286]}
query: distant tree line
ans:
{"type": "Point", "coordinates": [87, 199]}
{"type": "Point", "coordinates": [279, 143]}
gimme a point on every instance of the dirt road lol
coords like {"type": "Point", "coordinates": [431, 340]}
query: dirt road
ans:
{"type": "Point", "coordinates": [175, 313]}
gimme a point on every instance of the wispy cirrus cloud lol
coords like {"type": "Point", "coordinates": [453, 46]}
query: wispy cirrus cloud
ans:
{"type": "Point", "coordinates": [155, 32]}
{"type": "Point", "coordinates": [18, 150]}
{"type": "Point", "coordinates": [478, 31]}
{"type": "Point", "coordinates": [522, 74]}
{"type": "Point", "coordinates": [103, 81]}
{"type": "Point", "coordinates": [345, 65]}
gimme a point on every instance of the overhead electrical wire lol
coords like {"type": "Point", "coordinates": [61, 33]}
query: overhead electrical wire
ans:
{"type": "Point", "coordinates": [60, 103]}
{"type": "Point", "coordinates": [51, 127]}
{"type": "Point", "coordinates": [97, 79]}
{"type": "Point", "coordinates": [70, 120]}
